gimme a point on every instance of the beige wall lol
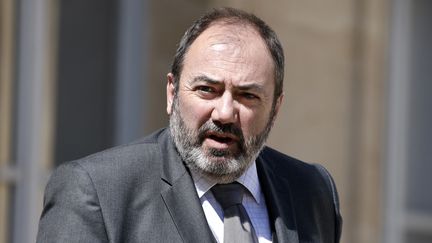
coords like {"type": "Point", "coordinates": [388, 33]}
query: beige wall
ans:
{"type": "Point", "coordinates": [334, 89]}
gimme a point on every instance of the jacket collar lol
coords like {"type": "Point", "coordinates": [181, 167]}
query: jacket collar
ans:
{"type": "Point", "coordinates": [279, 201]}
{"type": "Point", "coordinates": [182, 202]}
{"type": "Point", "coordinates": [179, 195]}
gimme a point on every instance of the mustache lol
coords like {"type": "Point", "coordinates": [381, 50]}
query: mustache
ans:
{"type": "Point", "coordinates": [211, 126]}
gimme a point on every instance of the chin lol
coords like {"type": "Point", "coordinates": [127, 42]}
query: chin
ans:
{"type": "Point", "coordinates": [222, 178]}
{"type": "Point", "coordinates": [223, 169]}
{"type": "Point", "coordinates": [225, 179]}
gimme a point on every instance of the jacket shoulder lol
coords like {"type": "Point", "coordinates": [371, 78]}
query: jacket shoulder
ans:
{"type": "Point", "coordinates": [137, 152]}
{"type": "Point", "coordinates": [299, 173]}
{"type": "Point", "coordinates": [311, 184]}
{"type": "Point", "coordinates": [279, 160]}
{"type": "Point", "coordinates": [99, 190]}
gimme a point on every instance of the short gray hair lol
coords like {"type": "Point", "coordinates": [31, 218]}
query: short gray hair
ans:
{"type": "Point", "coordinates": [232, 16]}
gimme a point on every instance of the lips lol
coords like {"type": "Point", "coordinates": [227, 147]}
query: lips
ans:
{"type": "Point", "coordinates": [217, 140]}
{"type": "Point", "coordinates": [222, 137]}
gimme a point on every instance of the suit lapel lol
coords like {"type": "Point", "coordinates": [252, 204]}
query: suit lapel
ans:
{"type": "Point", "coordinates": [279, 202]}
{"type": "Point", "coordinates": [186, 211]}
{"type": "Point", "coordinates": [180, 196]}
{"type": "Point", "coordinates": [183, 204]}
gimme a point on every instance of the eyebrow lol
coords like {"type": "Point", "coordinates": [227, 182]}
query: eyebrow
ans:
{"type": "Point", "coordinates": [247, 87]}
{"type": "Point", "coordinates": [204, 78]}
{"type": "Point", "coordinates": [244, 87]}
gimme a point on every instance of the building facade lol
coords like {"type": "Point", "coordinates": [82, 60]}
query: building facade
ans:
{"type": "Point", "coordinates": [80, 76]}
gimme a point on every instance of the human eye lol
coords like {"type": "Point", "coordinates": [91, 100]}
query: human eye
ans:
{"type": "Point", "coordinates": [249, 96]}
{"type": "Point", "coordinates": [205, 89]}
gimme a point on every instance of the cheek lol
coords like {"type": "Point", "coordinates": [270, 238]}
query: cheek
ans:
{"type": "Point", "coordinates": [195, 113]}
{"type": "Point", "coordinates": [253, 122]}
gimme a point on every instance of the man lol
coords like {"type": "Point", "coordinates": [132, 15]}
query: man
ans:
{"type": "Point", "coordinates": [223, 94]}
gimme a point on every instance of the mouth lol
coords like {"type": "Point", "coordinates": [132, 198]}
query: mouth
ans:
{"type": "Point", "coordinates": [221, 140]}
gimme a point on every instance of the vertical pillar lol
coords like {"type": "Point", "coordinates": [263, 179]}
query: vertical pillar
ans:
{"type": "Point", "coordinates": [35, 101]}
{"type": "Point", "coordinates": [6, 76]}
{"type": "Point", "coordinates": [397, 121]}
{"type": "Point", "coordinates": [131, 70]}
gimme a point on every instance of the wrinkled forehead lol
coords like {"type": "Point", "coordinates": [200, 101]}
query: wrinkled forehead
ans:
{"type": "Point", "coordinates": [224, 32]}
{"type": "Point", "coordinates": [232, 40]}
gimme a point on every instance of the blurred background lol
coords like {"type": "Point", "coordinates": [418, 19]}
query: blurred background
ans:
{"type": "Point", "coordinates": [80, 76]}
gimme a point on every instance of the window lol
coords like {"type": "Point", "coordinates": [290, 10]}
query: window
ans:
{"type": "Point", "coordinates": [409, 201]}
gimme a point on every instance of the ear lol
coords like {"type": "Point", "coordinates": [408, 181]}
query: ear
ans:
{"type": "Point", "coordinates": [278, 104]}
{"type": "Point", "coordinates": [170, 92]}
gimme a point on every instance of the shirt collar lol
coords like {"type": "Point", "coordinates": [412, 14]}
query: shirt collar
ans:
{"type": "Point", "coordinates": [249, 179]}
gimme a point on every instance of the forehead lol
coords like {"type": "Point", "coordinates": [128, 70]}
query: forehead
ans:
{"type": "Point", "coordinates": [235, 49]}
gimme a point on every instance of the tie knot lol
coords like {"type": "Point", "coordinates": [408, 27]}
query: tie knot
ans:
{"type": "Point", "coordinates": [228, 194]}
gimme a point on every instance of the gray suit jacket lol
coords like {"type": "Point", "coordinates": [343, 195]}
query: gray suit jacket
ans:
{"type": "Point", "coordinates": [142, 192]}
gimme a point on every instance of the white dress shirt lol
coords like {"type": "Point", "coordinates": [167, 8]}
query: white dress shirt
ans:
{"type": "Point", "coordinates": [253, 202]}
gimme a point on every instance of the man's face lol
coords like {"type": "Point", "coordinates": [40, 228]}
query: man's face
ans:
{"type": "Point", "coordinates": [223, 110]}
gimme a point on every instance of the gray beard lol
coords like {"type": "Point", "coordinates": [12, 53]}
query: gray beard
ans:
{"type": "Point", "coordinates": [222, 166]}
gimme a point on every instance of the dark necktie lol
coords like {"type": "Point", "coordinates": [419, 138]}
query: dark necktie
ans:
{"type": "Point", "coordinates": [237, 225]}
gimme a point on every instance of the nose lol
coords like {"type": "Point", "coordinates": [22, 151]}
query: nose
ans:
{"type": "Point", "coordinates": [225, 110]}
